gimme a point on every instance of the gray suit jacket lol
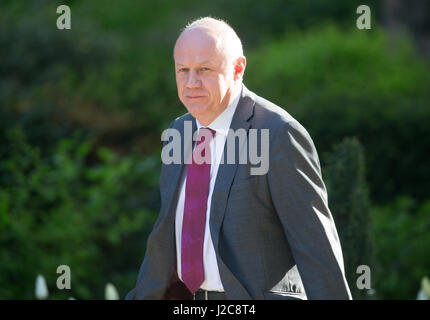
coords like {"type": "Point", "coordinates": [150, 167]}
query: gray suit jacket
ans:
{"type": "Point", "coordinates": [274, 235]}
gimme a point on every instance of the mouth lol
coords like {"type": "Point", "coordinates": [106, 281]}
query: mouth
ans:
{"type": "Point", "coordinates": [194, 97]}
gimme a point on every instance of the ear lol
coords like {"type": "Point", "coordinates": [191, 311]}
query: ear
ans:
{"type": "Point", "coordinates": [239, 68]}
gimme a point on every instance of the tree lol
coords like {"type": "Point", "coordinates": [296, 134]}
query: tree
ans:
{"type": "Point", "coordinates": [350, 206]}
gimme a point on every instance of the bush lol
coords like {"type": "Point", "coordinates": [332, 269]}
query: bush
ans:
{"type": "Point", "coordinates": [402, 245]}
{"type": "Point", "coordinates": [54, 82]}
{"type": "Point", "coordinates": [354, 83]}
{"type": "Point", "coordinates": [349, 203]}
{"type": "Point", "coordinates": [61, 210]}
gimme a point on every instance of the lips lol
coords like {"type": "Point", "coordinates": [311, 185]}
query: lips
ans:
{"type": "Point", "coordinates": [194, 97]}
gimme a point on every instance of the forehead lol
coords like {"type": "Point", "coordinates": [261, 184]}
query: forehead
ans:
{"type": "Point", "coordinates": [197, 46]}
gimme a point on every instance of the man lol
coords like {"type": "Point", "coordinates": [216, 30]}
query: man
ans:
{"type": "Point", "coordinates": [222, 232]}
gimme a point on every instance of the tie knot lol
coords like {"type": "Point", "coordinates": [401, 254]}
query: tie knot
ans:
{"type": "Point", "coordinates": [205, 133]}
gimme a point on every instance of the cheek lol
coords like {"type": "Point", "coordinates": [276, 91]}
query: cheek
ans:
{"type": "Point", "coordinates": [222, 86]}
{"type": "Point", "coordinates": [178, 81]}
{"type": "Point", "coordinates": [215, 85]}
{"type": "Point", "coordinates": [180, 84]}
{"type": "Point", "coordinates": [180, 87]}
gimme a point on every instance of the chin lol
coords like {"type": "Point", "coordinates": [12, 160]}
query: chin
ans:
{"type": "Point", "coordinates": [196, 109]}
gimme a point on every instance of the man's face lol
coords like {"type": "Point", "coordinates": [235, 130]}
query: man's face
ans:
{"type": "Point", "coordinates": [204, 76]}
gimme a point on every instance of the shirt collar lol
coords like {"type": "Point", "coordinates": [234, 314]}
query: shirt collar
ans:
{"type": "Point", "coordinates": [222, 123]}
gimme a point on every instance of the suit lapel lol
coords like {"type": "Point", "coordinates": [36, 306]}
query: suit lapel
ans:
{"type": "Point", "coordinates": [176, 171]}
{"type": "Point", "coordinates": [226, 172]}
{"type": "Point", "coordinates": [225, 176]}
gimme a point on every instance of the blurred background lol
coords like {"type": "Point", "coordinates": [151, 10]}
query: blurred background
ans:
{"type": "Point", "coordinates": [82, 111]}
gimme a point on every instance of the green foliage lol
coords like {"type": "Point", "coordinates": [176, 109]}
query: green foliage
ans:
{"type": "Point", "coordinates": [39, 67]}
{"type": "Point", "coordinates": [260, 24]}
{"type": "Point", "coordinates": [402, 238]}
{"type": "Point", "coordinates": [353, 83]}
{"type": "Point", "coordinates": [54, 82]}
{"type": "Point", "coordinates": [349, 202]}
{"type": "Point", "coordinates": [63, 210]}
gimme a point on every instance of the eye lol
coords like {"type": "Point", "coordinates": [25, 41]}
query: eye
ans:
{"type": "Point", "coordinates": [182, 70]}
{"type": "Point", "coordinates": [205, 69]}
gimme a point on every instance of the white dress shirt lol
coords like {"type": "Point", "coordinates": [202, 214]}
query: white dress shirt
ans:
{"type": "Point", "coordinates": [221, 125]}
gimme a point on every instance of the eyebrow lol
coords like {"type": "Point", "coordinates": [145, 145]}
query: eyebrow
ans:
{"type": "Point", "coordinates": [203, 62]}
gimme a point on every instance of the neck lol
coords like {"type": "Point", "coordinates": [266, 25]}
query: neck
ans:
{"type": "Point", "coordinates": [206, 120]}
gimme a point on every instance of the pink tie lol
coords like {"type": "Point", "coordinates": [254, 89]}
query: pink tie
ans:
{"type": "Point", "coordinates": [194, 220]}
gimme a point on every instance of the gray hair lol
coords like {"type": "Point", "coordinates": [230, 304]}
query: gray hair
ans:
{"type": "Point", "coordinates": [227, 38]}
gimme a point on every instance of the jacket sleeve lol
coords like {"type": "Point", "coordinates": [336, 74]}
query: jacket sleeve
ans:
{"type": "Point", "coordinates": [300, 199]}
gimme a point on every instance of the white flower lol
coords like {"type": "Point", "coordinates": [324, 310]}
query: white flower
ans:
{"type": "Point", "coordinates": [110, 292]}
{"type": "Point", "coordinates": [371, 292]}
{"type": "Point", "coordinates": [421, 295]}
{"type": "Point", "coordinates": [41, 288]}
{"type": "Point", "coordinates": [425, 286]}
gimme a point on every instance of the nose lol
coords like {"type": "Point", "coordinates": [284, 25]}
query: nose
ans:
{"type": "Point", "coordinates": [193, 80]}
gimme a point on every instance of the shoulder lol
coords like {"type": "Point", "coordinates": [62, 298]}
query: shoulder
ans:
{"type": "Point", "coordinates": [268, 115]}
{"type": "Point", "coordinates": [291, 146]}
{"type": "Point", "coordinates": [179, 121]}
